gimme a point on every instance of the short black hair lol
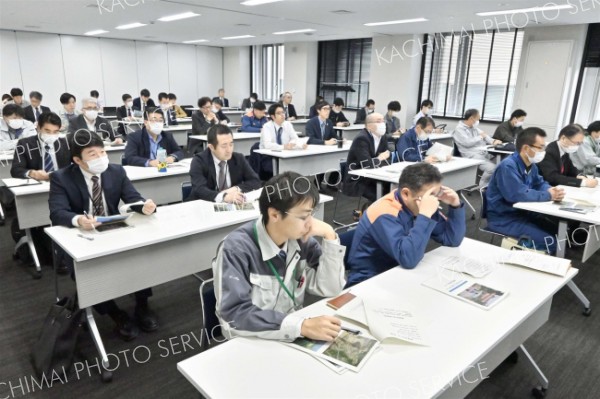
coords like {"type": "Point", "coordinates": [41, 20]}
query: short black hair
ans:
{"type": "Point", "coordinates": [12, 109]}
{"type": "Point", "coordinates": [285, 191]}
{"type": "Point", "coordinates": [470, 113]}
{"type": "Point", "coordinates": [82, 139]}
{"type": "Point", "coordinates": [426, 103]}
{"type": "Point", "coordinates": [94, 93]}
{"type": "Point", "coordinates": [571, 130]}
{"type": "Point", "coordinates": [66, 97]}
{"type": "Point", "coordinates": [370, 102]}
{"type": "Point", "coordinates": [214, 131]}
{"type": "Point", "coordinates": [6, 96]}
{"type": "Point", "coordinates": [217, 101]}
{"type": "Point", "coordinates": [394, 106]}
{"type": "Point", "coordinates": [125, 97]}
{"type": "Point", "coordinates": [16, 92]}
{"type": "Point", "coordinates": [593, 127]}
{"type": "Point", "coordinates": [417, 175]}
{"type": "Point", "coordinates": [36, 94]}
{"type": "Point", "coordinates": [273, 108]}
{"type": "Point", "coordinates": [528, 137]}
{"type": "Point", "coordinates": [202, 101]}
{"type": "Point", "coordinates": [319, 99]}
{"type": "Point", "coordinates": [518, 113]}
{"type": "Point", "coordinates": [153, 110]}
{"type": "Point", "coordinates": [259, 105]}
{"type": "Point", "coordinates": [172, 96]}
{"type": "Point", "coordinates": [144, 93]}
{"type": "Point", "coordinates": [254, 96]}
{"type": "Point", "coordinates": [424, 121]}
{"type": "Point", "coordinates": [162, 95]}
{"type": "Point", "coordinates": [338, 102]}
{"type": "Point", "coordinates": [321, 105]}
{"type": "Point", "coordinates": [49, 117]}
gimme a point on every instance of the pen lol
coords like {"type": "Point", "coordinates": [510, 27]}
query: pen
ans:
{"type": "Point", "coordinates": [88, 217]}
{"type": "Point", "coordinates": [86, 237]}
{"type": "Point", "coordinates": [351, 330]}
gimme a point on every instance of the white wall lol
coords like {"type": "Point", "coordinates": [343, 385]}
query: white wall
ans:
{"type": "Point", "coordinates": [236, 74]}
{"type": "Point", "coordinates": [53, 64]}
{"type": "Point", "coordinates": [300, 73]}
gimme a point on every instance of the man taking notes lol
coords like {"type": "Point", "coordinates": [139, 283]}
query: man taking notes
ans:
{"type": "Point", "coordinates": [86, 189]}
{"type": "Point", "coordinates": [396, 229]}
{"type": "Point", "coordinates": [264, 268]}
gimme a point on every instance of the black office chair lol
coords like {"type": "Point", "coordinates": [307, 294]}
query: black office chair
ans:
{"type": "Point", "coordinates": [469, 189]}
{"type": "Point", "coordinates": [210, 321]}
{"type": "Point", "coordinates": [340, 191]}
{"type": "Point", "coordinates": [186, 109]}
{"type": "Point", "coordinates": [483, 216]}
{"type": "Point", "coordinates": [186, 190]}
{"type": "Point", "coordinates": [346, 235]}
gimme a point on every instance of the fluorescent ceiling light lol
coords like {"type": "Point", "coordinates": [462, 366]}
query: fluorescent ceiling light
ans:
{"type": "Point", "coordinates": [236, 37]}
{"type": "Point", "coordinates": [257, 2]}
{"type": "Point", "coordinates": [175, 17]}
{"type": "Point", "coordinates": [524, 10]}
{"type": "Point", "coordinates": [130, 26]}
{"type": "Point", "coordinates": [195, 41]}
{"type": "Point", "coordinates": [95, 32]}
{"type": "Point", "coordinates": [289, 32]}
{"type": "Point", "coordinates": [400, 21]}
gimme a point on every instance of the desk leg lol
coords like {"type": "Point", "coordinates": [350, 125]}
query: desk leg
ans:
{"type": "Point", "coordinates": [275, 166]}
{"type": "Point", "coordinates": [379, 189]}
{"type": "Point", "coordinates": [538, 391]}
{"type": "Point", "coordinates": [106, 375]}
{"type": "Point", "coordinates": [1, 216]}
{"type": "Point", "coordinates": [33, 251]}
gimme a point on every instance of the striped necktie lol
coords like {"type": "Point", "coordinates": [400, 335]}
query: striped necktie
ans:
{"type": "Point", "coordinates": [48, 163]}
{"type": "Point", "coordinates": [97, 203]}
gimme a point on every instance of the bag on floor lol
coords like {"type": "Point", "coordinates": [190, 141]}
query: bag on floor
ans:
{"type": "Point", "coordinates": [56, 344]}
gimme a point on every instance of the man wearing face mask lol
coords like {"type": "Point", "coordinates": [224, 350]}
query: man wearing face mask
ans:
{"type": "Point", "coordinates": [89, 188]}
{"type": "Point", "coordinates": [472, 143]}
{"type": "Point", "coordinates": [413, 144]}
{"type": "Point", "coordinates": [507, 131]}
{"type": "Point", "coordinates": [426, 108]}
{"type": "Point", "coordinates": [125, 113]}
{"type": "Point", "coordinates": [89, 120]}
{"type": "Point", "coordinates": [557, 167]}
{"type": "Point", "coordinates": [392, 123]}
{"type": "Point", "coordinates": [361, 114]}
{"type": "Point", "coordinates": [13, 126]}
{"type": "Point", "coordinates": [369, 150]}
{"type": "Point", "coordinates": [517, 179]}
{"type": "Point", "coordinates": [143, 145]}
{"type": "Point", "coordinates": [588, 155]}
{"type": "Point", "coordinates": [35, 109]}
{"type": "Point", "coordinates": [167, 109]}
{"type": "Point", "coordinates": [249, 102]}
{"type": "Point", "coordinates": [216, 109]}
{"type": "Point", "coordinates": [204, 118]}
{"type": "Point", "coordinates": [396, 229]}
{"type": "Point", "coordinates": [69, 111]}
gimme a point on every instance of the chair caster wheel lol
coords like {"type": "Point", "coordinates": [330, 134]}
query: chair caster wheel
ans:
{"type": "Point", "coordinates": [107, 376]}
{"type": "Point", "coordinates": [473, 217]}
{"type": "Point", "coordinates": [36, 274]}
{"type": "Point", "coordinates": [539, 392]}
{"type": "Point", "coordinates": [587, 312]}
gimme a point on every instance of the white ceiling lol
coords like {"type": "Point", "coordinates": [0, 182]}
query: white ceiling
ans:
{"type": "Point", "coordinates": [220, 18]}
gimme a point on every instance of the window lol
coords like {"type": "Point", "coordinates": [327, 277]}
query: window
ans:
{"type": "Point", "coordinates": [586, 107]}
{"type": "Point", "coordinates": [471, 70]}
{"type": "Point", "coordinates": [344, 70]}
{"type": "Point", "coordinates": [267, 76]}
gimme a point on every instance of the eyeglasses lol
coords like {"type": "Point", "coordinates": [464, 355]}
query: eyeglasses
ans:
{"type": "Point", "coordinates": [279, 113]}
{"type": "Point", "coordinates": [543, 148]}
{"type": "Point", "coordinates": [574, 142]}
{"type": "Point", "coordinates": [304, 218]}
{"type": "Point", "coordinates": [207, 107]}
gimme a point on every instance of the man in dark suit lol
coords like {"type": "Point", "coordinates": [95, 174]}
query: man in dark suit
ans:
{"type": "Point", "coordinates": [320, 128]}
{"type": "Point", "coordinates": [557, 168]}
{"type": "Point", "coordinates": [167, 109]}
{"type": "Point", "coordinates": [249, 102]}
{"type": "Point", "coordinates": [288, 107]}
{"type": "Point", "coordinates": [369, 150]}
{"type": "Point", "coordinates": [219, 174]}
{"type": "Point", "coordinates": [142, 146]}
{"type": "Point", "coordinates": [89, 120]}
{"type": "Point", "coordinates": [204, 118]}
{"type": "Point", "coordinates": [140, 103]}
{"type": "Point", "coordinates": [33, 111]}
{"type": "Point", "coordinates": [337, 116]}
{"type": "Point", "coordinates": [36, 157]}
{"type": "Point", "coordinates": [89, 188]}
{"type": "Point", "coordinates": [222, 98]}
{"type": "Point", "coordinates": [125, 113]}
{"type": "Point", "coordinates": [312, 111]}
{"type": "Point", "coordinates": [361, 115]}
{"type": "Point", "coordinates": [216, 109]}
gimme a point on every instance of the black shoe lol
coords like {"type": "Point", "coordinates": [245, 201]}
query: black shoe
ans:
{"type": "Point", "coordinates": [125, 327]}
{"type": "Point", "coordinates": [146, 319]}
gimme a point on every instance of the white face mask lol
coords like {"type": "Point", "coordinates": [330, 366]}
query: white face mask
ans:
{"type": "Point", "coordinates": [571, 149]}
{"type": "Point", "coordinates": [597, 141]}
{"type": "Point", "coordinates": [380, 130]}
{"type": "Point", "coordinates": [98, 166]}
{"type": "Point", "coordinates": [165, 106]}
{"type": "Point", "coordinates": [129, 104]}
{"type": "Point", "coordinates": [519, 123]}
{"type": "Point", "coordinates": [15, 123]}
{"type": "Point", "coordinates": [423, 136]}
{"type": "Point", "coordinates": [426, 111]}
{"type": "Point", "coordinates": [252, 101]}
{"type": "Point", "coordinates": [156, 127]}
{"type": "Point", "coordinates": [214, 110]}
{"type": "Point", "coordinates": [538, 157]}
{"type": "Point", "coordinates": [91, 115]}
{"type": "Point", "coordinates": [476, 124]}
{"type": "Point", "coordinates": [48, 138]}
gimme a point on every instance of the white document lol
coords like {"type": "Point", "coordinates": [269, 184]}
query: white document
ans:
{"type": "Point", "coordinates": [536, 261]}
{"type": "Point", "coordinates": [300, 142]}
{"type": "Point", "coordinates": [477, 268]}
{"type": "Point", "coordinates": [440, 151]}
{"type": "Point", "coordinates": [254, 195]}
{"type": "Point", "coordinates": [467, 290]}
{"type": "Point", "coordinates": [126, 208]}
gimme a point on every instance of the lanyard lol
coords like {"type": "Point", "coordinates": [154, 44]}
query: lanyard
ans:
{"type": "Point", "coordinates": [292, 295]}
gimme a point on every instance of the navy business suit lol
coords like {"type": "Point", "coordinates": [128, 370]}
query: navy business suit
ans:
{"type": "Point", "coordinates": [137, 150]}
{"type": "Point", "coordinates": [28, 156]}
{"type": "Point", "coordinates": [313, 131]}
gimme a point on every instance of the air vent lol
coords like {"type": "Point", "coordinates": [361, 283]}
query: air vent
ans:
{"type": "Point", "coordinates": [342, 12]}
{"type": "Point", "coordinates": [242, 25]}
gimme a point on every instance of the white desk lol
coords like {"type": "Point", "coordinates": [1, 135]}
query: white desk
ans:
{"type": "Point", "coordinates": [499, 154]}
{"type": "Point", "coordinates": [115, 153]}
{"type": "Point", "coordinates": [311, 161]}
{"type": "Point", "coordinates": [442, 138]}
{"type": "Point", "coordinates": [300, 125]}
{"type": "Point", "coordinates": [349, 132]}
{"type": "Point", "coordinates": [461, 337]}
{"type": "Point", "coordinates": [458, 173]}
{"type": "Point", "coordinates": [235, 116]}
{"type": "Point", "coordinates": [242, 141]}
{"type": "Point", "coordinates": [6, 158]}
{"type": "Point", "coordinates": [177, 241]}
{"type": "Point", "coordinates": [180, 133]}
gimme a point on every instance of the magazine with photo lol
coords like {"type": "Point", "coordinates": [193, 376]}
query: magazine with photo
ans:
{"type": "Point", "coordinates": [467, 290]}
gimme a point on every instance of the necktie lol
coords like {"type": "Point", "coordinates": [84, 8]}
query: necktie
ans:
{"type": "Point", "coordinates": [129, 112]}
{"type": "Point", "coordinates": [286, 112]}
{"type": "Point", "coordinates": [37, 114]}
{"type": "Point", "coordinates": [393, 126]}
{"type": "Point", "coordinates": [48, 163]}
{"type": "Point", "coordinates": [222, 176]}
{"type": "Point", "coordinates": [18, 133]}
{"type": "Point", "coordinates": [97, 203]}
{"type": "Point", "coordinates": [322, 129]}
{"type": "Point", "coordinates": [279, 136]}
{"type": "Point", "coordinates": [563, 159]}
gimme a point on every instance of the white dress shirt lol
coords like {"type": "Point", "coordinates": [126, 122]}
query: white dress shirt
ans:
{"type": "Point", "coordinates": [42, 148]}
{"type": "Point", "coordinates": [268, 135]}
{"type": "Point", "coordinates": [87, 176]}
